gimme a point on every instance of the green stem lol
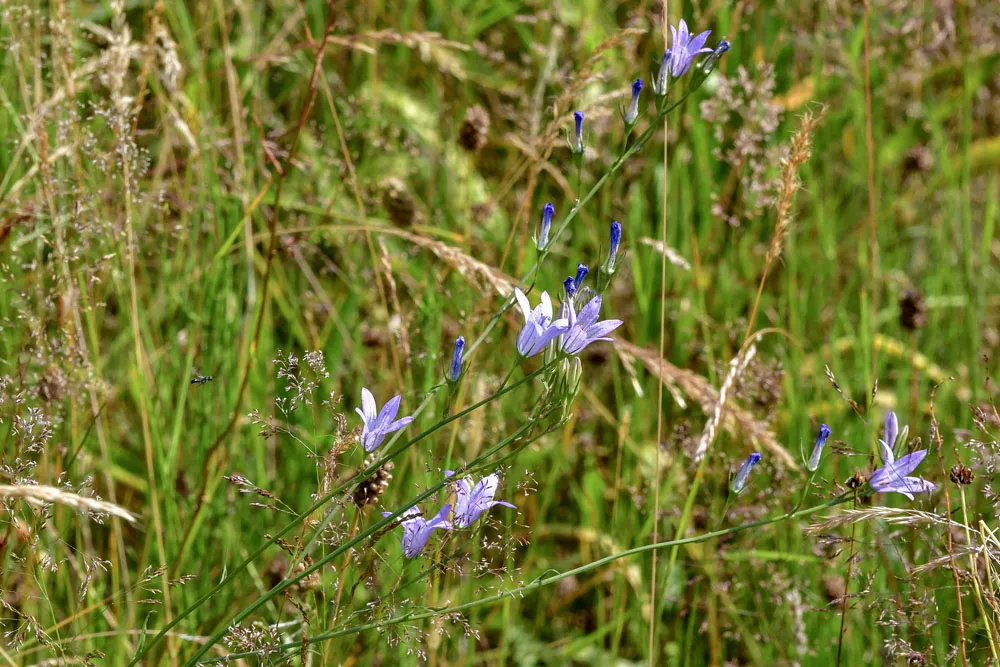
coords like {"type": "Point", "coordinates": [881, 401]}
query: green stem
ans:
{"type": "Point", "coordinates": [540, 582]}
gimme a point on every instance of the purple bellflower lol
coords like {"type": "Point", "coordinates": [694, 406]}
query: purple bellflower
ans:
{"type": "Point", "coordinates": [539, 328]}
{"type": "Point", "coordinates": [578, 132]}
{"type": "Point", "coordinates": [378, 424]}
{"type": "Point", "coordinates": [581, 272]}
{"type": "Point", "coordinates": [740, 481]}
{"type": "Point", "coordinates": [455, 370]}
{"type": "Point", "coordinates": [817, 453]}
{"type": "Point", "coordinates": [584, 328]}
{"type": "Point", "coordinates": [685, 48]}
{"type": "Point", "coordinates": [417, 530]}
{"type": "Point", "coordinates": [894, 475]}
{"type": "Point", "coordinates": [542, 239]}
{"type": "Point", "coordinates": [660, 82]}
{"type": "Point", "coordinates": [632, 112]}
{"type": "Point", "coordinates": [472, 500]}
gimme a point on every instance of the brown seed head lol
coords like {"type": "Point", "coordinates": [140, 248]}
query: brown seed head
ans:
{"type": "Point", "coordinates": [857, 481]}
{"type": "Point", "coordinates": [370, 490]}
{"type": "Point", "coordinates": [962, 475]}
{"type": "Point", "coordinates": [912, 309]}
{"type": "Point", "coordinates": [475, 128]}
{"type": "Point", "coordinates": [398, 202]}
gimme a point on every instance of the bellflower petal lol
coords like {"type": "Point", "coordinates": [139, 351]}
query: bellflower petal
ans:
{"type": "Point", "coordinates": [376, 425]}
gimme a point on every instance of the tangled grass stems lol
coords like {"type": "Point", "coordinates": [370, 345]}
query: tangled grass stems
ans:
{"type": "Point", "coordinates": [290, 526]}
{"type": "Point", "coordinates": [473, 466]}
{"type": "Point", "coordinates": [537, 584]}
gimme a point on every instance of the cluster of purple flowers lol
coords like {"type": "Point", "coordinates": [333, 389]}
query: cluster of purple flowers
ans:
{"type": "Point", "coordinates": [471, 501]}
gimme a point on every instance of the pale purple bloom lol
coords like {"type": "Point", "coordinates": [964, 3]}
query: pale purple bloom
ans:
{"type": "Point", "coordinates": [378, 424]}
{"type": "Point", "coordinates": [539, 328]}
{"type": "Point", "coordinates": [417, 530]}
{"type": "Point", "coordinates": [893, 476]}
{"type": "Point", "coordinates": [542, 239]}
{"type": "Point", "coordinates": [581, 272]}
{"type": "Point", "coordinates": [616, 239]}
{"type": "Point", "coordinates": [824, 435]}
{"type": "Point", "coordinates": [685, 48]}
{"type": "Point", "coordinates": [455, 370]}
{"type": "Point", "coordinates": [632, 112]}
{"type": "Point", "coordinates": [740, 482]}
{"type": "Point", "coordinates": [584, 328]}
{"type": "Point", "coordinates": [471, 501]}
{"type": "Point", "coordinates": [578, 134]}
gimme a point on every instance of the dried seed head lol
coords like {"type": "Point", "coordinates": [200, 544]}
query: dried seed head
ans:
{"type": "Point", "coordinates": [475, 128]}
{"type": "Point", "coordinates": [53, 385]}
{"type": "Point", "coordinates": [912, 309]}
{"type": "Point", "coordinates": [962, 475]}
{"type": "Point", "coordinates": [398, 202]}
{"type": "Point", "coordinates": [371, 489]}
{"type": "Point", "coordinates": [856, 482]}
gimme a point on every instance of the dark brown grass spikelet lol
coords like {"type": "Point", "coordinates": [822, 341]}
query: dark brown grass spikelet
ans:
{"type": "Point", "coordinates": [962, 475]}
{"type": "Point", "coordinates": [53, 385]}
{"type": "Point", "coordinates": [856, 481]}
{"type": "Point", "coordinates": [398, 202]}
{"type": "Point", "coordinates": [370, 490]}
{"type": "Point", "coordinates": [912, 309]}
{"type": "Point", "coordinates": [475, 128]}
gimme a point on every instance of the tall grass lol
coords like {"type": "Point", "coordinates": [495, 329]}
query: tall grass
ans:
{"type": "Point", "coordinates": [219, 221]}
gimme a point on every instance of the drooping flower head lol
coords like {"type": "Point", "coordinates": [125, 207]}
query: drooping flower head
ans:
{"type": "Point", "coordinates": [581, 272]}
{"type": "Point", "coordinates": [378, 423]}
{"type": "Point", "coordinates": [417, 530]}
{"type": "Point", "coordinates": [616, 239]}
{"type": "Point", "coordinates": [539, 328]}
{"type": "Point", "coordinates": [740, 481]}
{"type": "Point", "coordinates": [472, 500]}
{"type": "Point", "coordinates": [817, 453]}
{"type": "Point", "coordinates": [894, 475]}
{"type": "Point", "coordinates": [542, 239]}
{"type": "Point", "coordinates": [632, 112]}
{"type": "Point", "coordinates": [584, 329]}
{"type": "Point", "coordinates": [578, 132]}
{"type": "Point", "coordinates": [455, 370]}
{"type": "Point", "coordinates": [685, 47]}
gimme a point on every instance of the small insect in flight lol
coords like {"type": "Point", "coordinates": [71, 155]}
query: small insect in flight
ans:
{"type": "Point", "coordinates": [201, 379]}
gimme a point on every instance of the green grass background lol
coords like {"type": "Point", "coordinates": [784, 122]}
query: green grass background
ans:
{"type": "Point", "coordinates": [205, 196]}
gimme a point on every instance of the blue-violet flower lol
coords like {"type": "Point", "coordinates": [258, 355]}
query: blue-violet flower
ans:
{"type": "Point", "coordinates": [894, 475]}
{"type": "Point", "coordinates": [455, 370]}
{"type": "Point", "coordinates": [578, 132]}
{"type": "Point", "coordinates": [472, 500]}
{"type": "Point", "coordinates": [632, 112]}
{"type": "Point", "coordinates": [685, 48]}
{"type": "Point", "coordinates": [584, 329]}
{"type": "Point", "coordinates": [542, 239]}
{"type": "Point", "coordinates": [378, 424]}
{"type": "Point", "coordinates": [817, 453]}
{"type": "Point", "coordinates": [417, 530]}
{"type": "Point", "coordinates": [539, 328]}
{"type": "Point", "coordinates": [740, 481]}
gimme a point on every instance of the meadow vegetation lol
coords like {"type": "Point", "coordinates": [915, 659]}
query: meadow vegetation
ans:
{"type": "Point", "coordinates": [231, 232]}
